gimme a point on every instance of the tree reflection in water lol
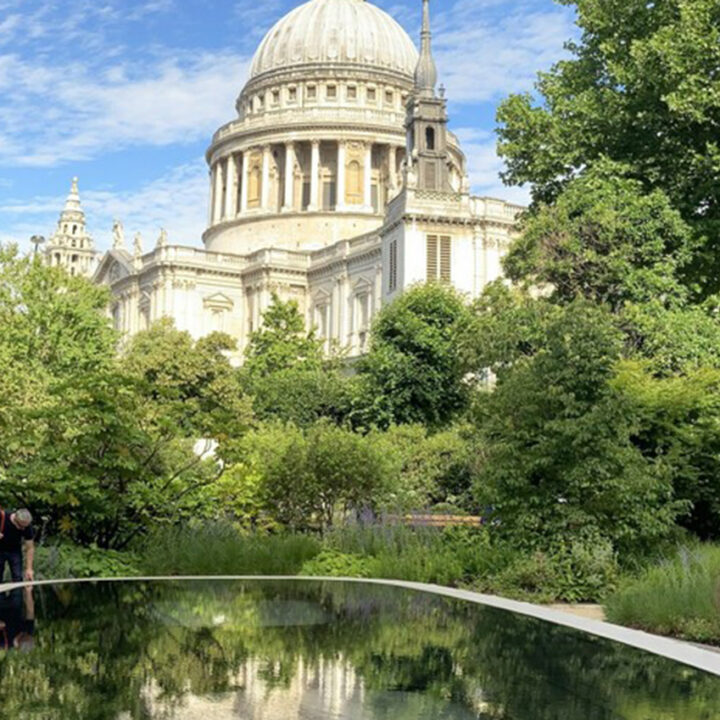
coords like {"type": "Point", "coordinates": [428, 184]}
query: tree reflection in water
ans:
{"type": "Point", "coordinates": [309, 651]}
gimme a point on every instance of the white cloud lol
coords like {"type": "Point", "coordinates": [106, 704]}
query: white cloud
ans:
{"type": "Point", "coordinates": [484, 58]}
{"type": "Point", "coordinates": [57, 114]}
{"type": "Point", "coordinates": [176, 202]}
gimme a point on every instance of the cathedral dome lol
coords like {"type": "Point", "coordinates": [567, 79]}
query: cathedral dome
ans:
{"type": "Point", "coordinates": [351, 32]}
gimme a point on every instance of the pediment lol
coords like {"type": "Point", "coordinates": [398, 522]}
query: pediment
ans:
{"type": "Point", "coordinates": [362, 285]}
{"type": "Point", "coordinates": [114, 266]}
{"type": "Point", "coordinates": [218, 301]}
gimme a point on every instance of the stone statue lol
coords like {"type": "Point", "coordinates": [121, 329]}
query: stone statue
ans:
{"type": "Point", "coordinates": [118, 236]}
{"type": "Point", "coordinates": [138, 245]}
{"type": "Point", "coordinates": [163, 239]}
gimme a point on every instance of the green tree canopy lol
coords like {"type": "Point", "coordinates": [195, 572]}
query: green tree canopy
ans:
{"type": "Point", "coordinates": [559, 461]}
{"type": "Point", "coordinates": [640, 88]}
{"type": "Point", "coordinates": [604, 239]}
{"type": "Point", "coordinates": [413, 372]}
{"type": "Point", "coordinates": [281, 342]}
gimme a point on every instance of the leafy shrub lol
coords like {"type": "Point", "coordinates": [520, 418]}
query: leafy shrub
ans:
{"type": "Point", "coordinates": [578, 572]}
{"type": "Point", "coordinates": [330, 563]}
{"type": "Point", "coordinates": [72, 561]}
{"type": "Point", "coordinates": [219, 548]}
{"type": "Point", "coordinates": [680, 596]}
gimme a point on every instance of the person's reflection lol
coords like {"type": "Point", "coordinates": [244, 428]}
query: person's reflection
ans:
{"type": "Point", "coordinates": [17, 620]}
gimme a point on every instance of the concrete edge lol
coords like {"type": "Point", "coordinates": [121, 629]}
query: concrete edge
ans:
{"type": "Point", "coordinates": [677, 650]}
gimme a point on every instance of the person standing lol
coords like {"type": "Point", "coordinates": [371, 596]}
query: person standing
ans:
{"type": "Point", "coordinates": [17, 534]}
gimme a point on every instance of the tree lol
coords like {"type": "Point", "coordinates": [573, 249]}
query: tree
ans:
{"type": "Point", "coordinates": [103, 445]}
{"type": "Point", "coordinates": [287, 373]}
{"type": "Point", "coordinates": [189, 385]}
{"type": "Point", "coordinates": [606, 240]}
{"type": "Point", "coordinates": [309, 477]}
{"type": "Point", "coordinates": [413, 372]}
{"type": "Point", "coordinates": [560, 464]}
{"type": "Point", "coordinates": [281, 342]}
{"type": "Point", "coordinates": [641, 89]}
{"type": "Point", "coordinates": [680, 427]}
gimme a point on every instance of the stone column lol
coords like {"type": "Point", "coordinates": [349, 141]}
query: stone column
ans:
{"type": "Point", "coordinates": [340, 205]}
{"type": "Point", "coordinates": [211, 201]}
{"type": "Point", "coordinates": [266, 177]}
{"type": "Point", "coordinates": [314, 177]}
{"type": "Point", "coordinates": [289, 177]}
{"type": "Point", "coordinates": [231, 189]}
{"type": "Point", "coordinates": [217, 213]}
{"type": "Point", "coordinates": [392, 166]}
{"type": "Point", "coordinates": [368, 176]}
{"type": "Point", "coordinates": [244, 186]}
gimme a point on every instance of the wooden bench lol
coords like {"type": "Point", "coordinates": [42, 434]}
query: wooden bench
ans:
{"type": "Point", "coordinates": [430, 520]}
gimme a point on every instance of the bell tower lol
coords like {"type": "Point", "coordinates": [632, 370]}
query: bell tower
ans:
{"type": "Point", "coordinates": [71, 246]}
{"type": "Point", "coordinates": [426, 122]}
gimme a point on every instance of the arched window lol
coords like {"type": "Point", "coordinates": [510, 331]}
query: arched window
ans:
{"type": "Point", "coordinates": [74, 232]}
{"type": "Point", "coordinates": [354, 183]}
{"type": "Point", "coordinates": [430, 138]}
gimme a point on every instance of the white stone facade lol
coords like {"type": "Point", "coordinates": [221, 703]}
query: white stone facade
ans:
{"type": "Point", "coordinates": [338, 185]}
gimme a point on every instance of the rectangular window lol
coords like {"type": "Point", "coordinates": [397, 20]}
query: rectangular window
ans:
{"type": "Point", "coordinates": [352, 92]}
{"type": "Point", "coordinates": [389, 97]}
{"type": "Point", "coordinates": [331, 92]}
{"type": "Point", "coordinates": [329, 195]}
{"type": "Point", "coordinates": [292, 94]}
{"type": "Point", "coordinates": [439, 258]}
{"type": "Point", "coordinates": [276, 97]}
{"type": "Point", "coordinates": [371, 94]}
{"type": "Point", "coordinates": [393, 267]}
{"type": "Point", "coordinates": [311, 92]}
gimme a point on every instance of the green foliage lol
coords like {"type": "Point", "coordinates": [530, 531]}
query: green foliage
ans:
{"type": "Point", "coordinates": [64, 560]}
{"type": "Point", "coordinates": [428, 469]}
{"type": "Point", "coordinates": [579, 571]}
{"type": "Point", "coordinates": [189, 386]}
{"type": "Point", "coordinates": [604, 240]}
{"type": "Point", "coordinates": [413, 372]}
{"type": "Point", "coordinates": [302, 395]}
{"type": "Point", "coordinates": [219, 548]}
{"type": "Point", "coordinates": [311, 477]}
{"type": "Point", "coordinates": [680, 426]}
{"type": "Point", "coordinates": [101, 444]}
{"type": "Point", "coordinates": [281, 342]}
{"type": "Point", "coordinates": [641, 90]}
{"type": "Point", "coordinates": [560, 463]}
{"type": "Point", "coordinates": [680, 596]}
{"type": "Point", "coordinates": [330, 563]}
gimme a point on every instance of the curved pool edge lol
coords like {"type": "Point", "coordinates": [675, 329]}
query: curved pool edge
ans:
{"type": "Point", "coordinates": [670, 648]}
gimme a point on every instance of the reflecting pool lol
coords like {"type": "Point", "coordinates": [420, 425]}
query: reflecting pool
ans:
{"type": "Point", "coordinates": [303, 650]}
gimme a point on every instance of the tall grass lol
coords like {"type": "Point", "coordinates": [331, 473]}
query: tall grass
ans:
{"type": "Point", "coordinates": [680, 596]}
{"type": "Point", "coordinates": [220, 549]}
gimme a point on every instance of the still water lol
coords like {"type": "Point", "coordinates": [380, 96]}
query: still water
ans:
{"type": "Point", "coordinates": [315, 651]}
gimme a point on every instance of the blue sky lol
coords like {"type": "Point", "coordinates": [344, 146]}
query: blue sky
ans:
{"type": "Point", "coordinates": [126, 94]}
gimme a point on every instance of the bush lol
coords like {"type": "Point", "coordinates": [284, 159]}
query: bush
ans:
{"type": "Point", "coordinates": [579, 572]}
{"type": "Point", "coordinates": [330, 563]}
{"type": "Point", "coordinates": [219, 548]}
{"type": "Point", "coordinates": [680, 596]}
{"type": "Point", "coordinates": [62, 561]}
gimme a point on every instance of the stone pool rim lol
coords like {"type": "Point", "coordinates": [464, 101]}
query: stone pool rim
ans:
{"type": "Point", "coordinates": [670, 648]}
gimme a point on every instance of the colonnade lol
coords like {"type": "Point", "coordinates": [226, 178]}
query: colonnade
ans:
{"type": "Point", "coordinates": [243, 182]}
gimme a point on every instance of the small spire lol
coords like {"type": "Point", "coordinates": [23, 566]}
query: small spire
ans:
{"type": "Point", "coordinates": [426, 72]}
{"type": "Point", "coordinates": [72, 204]}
